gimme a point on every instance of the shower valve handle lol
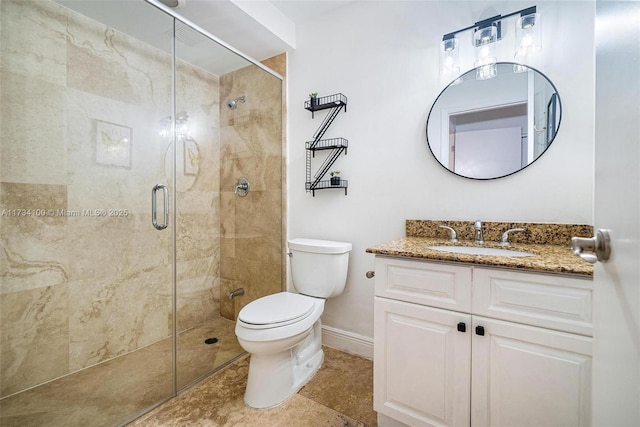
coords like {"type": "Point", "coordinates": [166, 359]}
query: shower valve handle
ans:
{"type": "Point", "coordinates": [242, 187]}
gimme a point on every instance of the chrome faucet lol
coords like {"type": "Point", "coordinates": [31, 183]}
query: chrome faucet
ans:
{"type": "Point", "coordinates": [454, 236]}
{"type": "Point", "coordinates": [504, 241]}
{"type": "Point", "coordinates": [479, 236]}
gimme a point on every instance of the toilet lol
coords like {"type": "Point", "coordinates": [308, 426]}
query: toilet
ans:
{"type": "Point", "coordinates": [282, 332]}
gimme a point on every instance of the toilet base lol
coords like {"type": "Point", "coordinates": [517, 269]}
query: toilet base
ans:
{"type": "Point", "coordinates": [274, 378]}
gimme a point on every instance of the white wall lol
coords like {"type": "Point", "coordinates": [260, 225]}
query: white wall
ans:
{"type": "Point", "coordinates": [384, 57]}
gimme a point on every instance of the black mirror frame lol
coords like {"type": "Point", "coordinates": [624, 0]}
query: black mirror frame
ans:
{"type": "Point", "coordinates": [553, 106]}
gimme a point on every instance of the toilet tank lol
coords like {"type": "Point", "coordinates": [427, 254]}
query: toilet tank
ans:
{"type": "Point", "coordinates": [319, 267]}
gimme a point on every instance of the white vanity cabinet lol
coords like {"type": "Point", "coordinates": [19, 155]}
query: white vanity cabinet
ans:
{"type": "Point", "coordinates": [422, 364]}
{"type": "Point", "coordinates": [460, 345]}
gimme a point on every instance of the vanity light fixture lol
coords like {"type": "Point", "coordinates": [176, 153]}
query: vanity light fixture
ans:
{"type": "Point", "coordinates": [486, 34]}
{"type": "Point", "coordinates": [528, 36]}
{"type": "Point", "coordinates": [449, 57]}
{"type": "Point", "coordinates": [484, 39]}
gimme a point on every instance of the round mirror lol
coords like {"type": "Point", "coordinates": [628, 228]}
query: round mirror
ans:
{"type": "Point", "coordinates": [486, 129]}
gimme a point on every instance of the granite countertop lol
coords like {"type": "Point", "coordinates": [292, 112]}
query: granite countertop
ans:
{"type": "Point", "coordinates": [555, 257]}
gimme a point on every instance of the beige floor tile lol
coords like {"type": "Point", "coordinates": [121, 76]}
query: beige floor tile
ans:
{"type": "Point", "coordinates": [297, 411]}
{"type": "Point", "coordinates": [345, 384]}
{"type": "Point", "coordinates": [340, 394]}
{"type": "Point", "coordinates": [105, 394]}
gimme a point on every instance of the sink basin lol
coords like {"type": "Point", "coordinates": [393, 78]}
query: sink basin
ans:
{"type": "Point", "coordinates": [474, 250]}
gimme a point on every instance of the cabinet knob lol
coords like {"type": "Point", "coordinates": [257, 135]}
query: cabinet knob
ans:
{"type": "Point", "coordinates": [479, 330]}
{"type": "Point", "coordinates": [462, 327]}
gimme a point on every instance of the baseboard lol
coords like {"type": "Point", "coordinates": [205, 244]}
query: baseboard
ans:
{"type": "Point", "coordinates": [384, 421]}
{"type": "Point", "coordinates": [347, 341]}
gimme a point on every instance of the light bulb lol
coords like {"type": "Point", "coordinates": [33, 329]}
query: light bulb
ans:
{"type": "Point", "coordinates": [485, 63]}
{"type": "Point", "coordinates": [528, 36]}
{"type": "Point", "coordinates": [449, 54]}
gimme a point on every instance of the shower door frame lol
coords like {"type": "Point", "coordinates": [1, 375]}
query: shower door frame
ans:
{"type": "Point", "coordinates": [174, 206]}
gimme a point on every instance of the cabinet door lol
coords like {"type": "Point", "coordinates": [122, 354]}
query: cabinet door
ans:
{"type": "Point", "coordinates": [421, 364]}
{"type": "Point", "coordinates": [528, 376]}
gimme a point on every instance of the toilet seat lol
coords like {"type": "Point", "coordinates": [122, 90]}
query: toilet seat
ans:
{"type": "Point", "coordinates": [273, 311]}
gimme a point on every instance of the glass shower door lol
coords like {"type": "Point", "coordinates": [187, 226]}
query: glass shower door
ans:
{"type": "Point", "coordinates": [86, 297]}
{"type": "Point", "coordinates": [230, 127]}
{"type": "Point", "coordinates": [205, 339]}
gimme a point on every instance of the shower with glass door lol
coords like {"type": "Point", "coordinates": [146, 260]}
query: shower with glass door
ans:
{"type": "Point", "coordinates": [123, 235]}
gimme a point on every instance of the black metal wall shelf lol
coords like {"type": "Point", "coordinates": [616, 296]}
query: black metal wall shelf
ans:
{"type": "Point", "coordinates": [337, 145]}
{"type": "Point", "coordinates": [323, 185]}
{"type": "Point", "coordinates": [324, 102]}
{"type": "Point", "coordinates": [327, 144]}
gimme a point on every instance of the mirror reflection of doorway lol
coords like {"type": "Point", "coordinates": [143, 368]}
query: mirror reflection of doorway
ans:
{"type": "Point", "coordinates": [489, 142]}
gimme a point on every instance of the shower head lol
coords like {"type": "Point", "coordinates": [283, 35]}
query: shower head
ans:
{"type": "Point", "coordinates": [232, 104]}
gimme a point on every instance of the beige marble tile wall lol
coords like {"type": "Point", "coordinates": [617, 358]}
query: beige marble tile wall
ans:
{"type": "Point", "coordinates": [251, 226]}
{"type": "Point", "coordinates": [198, 198]}
{"type": "Point", "coordinates": [78, 290]}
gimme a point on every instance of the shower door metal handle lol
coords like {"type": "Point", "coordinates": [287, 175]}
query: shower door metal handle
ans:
{"type": "Point", "coordinates": [154, 206]}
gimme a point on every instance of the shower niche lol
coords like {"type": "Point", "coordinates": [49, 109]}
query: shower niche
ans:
{"type": "Point", "coordinates": [335, 146]}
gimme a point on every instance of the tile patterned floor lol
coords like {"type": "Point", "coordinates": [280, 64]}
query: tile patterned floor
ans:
{"type": "Point", "coordinates": [102, 395]}
{"type": "Point", "coordinates": [339, 395]}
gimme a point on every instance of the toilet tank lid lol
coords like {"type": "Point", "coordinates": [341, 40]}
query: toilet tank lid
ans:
{"type": "Point", "coordinates": [319, 246]}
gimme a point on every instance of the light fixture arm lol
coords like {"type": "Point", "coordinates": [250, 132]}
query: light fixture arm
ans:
{"type": "Point", "coordinates": [495, 20]}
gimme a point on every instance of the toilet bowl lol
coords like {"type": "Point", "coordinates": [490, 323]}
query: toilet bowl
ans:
{"type": "Point", "coordinates": [283, 331]}
{"type": "Point", "coordinates": [285, 353]}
